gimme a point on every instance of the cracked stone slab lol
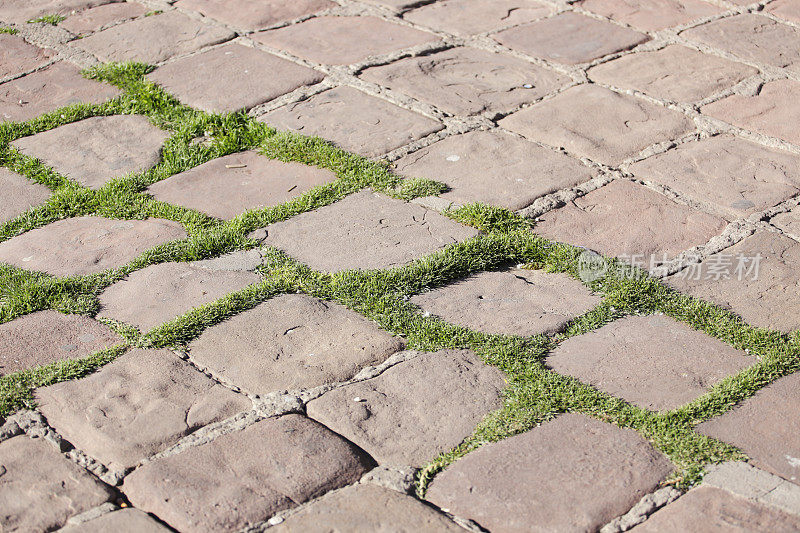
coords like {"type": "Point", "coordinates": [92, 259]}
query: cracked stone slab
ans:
{"type": "Point", "coordinates": [651, 361]}
{"type": "Point", "coordinates": [152, 39]}
{"type": "Point", "coordinates": [19, 194]}
{"type": "Point", "coordinates": [547, 479]}
{"type": "Point", "coordinates": [47, 336]}
{"type": "Point", "coordinates": [570, 38]}
{"type": "Point", "coordinates": [788, 222]}
{"type": "Point", "coordinates": [594, 122]}
{"type": "Point", "coordinates": [18, 57]}
{"type": "Point", "coordinates": [127, 520]}
{"type": "Point", "coordinates": [624, 219]}
{"type": "Point", "coordinates": [292, 341]}
{"type": "Point", "coordinates": [785, 9]}
{"type": "Point", "coordinates": [416, 409]}
{"type": "Point", "coordinates": [97, 18]}
{"type": "Point", "coordinates": [250, 16]}
{"type": "Point", "coordinates": [228, 186]}
{"type": "Point", "coordinates": [771, 300]}
{"type": "Point", "coordinates": [468, 17]}
{"type": "Point", "coordinates": [21, 11]}
{"type": "Point", "coordinates": [136, 406]}
{"type": "Point", "coordinates": [333, 238]}
{"type": "Point", "coordinates": [86, 245]}
{"type": "Point", "coordinates": [101, 148]}
{"type": "Point", "coordinates": [40, 489]}
{"type": "Point", "coordinates": [354, 121]}
{"type": "Point", "coordinates": [231, 77]}
{"type": "Point", "coordinates": [651, 16]}
{"type": "Point", "coordinates": [243, 478]}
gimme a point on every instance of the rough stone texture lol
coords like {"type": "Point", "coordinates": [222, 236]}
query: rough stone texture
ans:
{"type": "Point", "coordinates": [225, 192]}
{"type": "Point", "coordinates": [494, 168]}
{"type": "Point", "coordinates": [518, 302]}
{"type": "Point", "coordinates": [742, 479]}
{"type": "Point", "coordinates": [99, 17]}
{"type": "Point", "coordinates": [770, 301]}
{"type": "Point", "coordinates": [674, 73]}
{"type": "Point", "coordinates": [367, 508]}
{"type": "Point", "coordinates": [466, 81]}
{"type": "Point", "coordinates": [594, 122]}
{"type": "Point", "coordinates": [354, 121]}
{"type": "Point", "coordinates": [766, 427]}
{"type": "Point", "coordinates": [468, 17]}
{"type": "Point", "coordinates": [292, 341]}
{"type": "Point", "coordinates": [56, 86]}
{"type": "Point", "coordinates": [136, 406]}
{"type": "Point", "coordinates": [785, 9]}
{"type": "Point", "coordinates": [395, 233]}
{"type": "Point", "coordinates": [343, 40]}
{"type": "Point", "coordinates": [548, 478]}
{"type": "Point", "coordinates": [248, 15]}
{"type": "Point", "coordinates": [18, 57]}
{"type": "Point", "coordinates": [47, 336]}
{"type": "Point", "coordinates": [246, 477]}
{"type": "Point", "coordinates": [651, 361]}
{"type": "Point", "coordinates": [86, 245]}
{"type": "Point", "coordinates": [733, 177]}
{"type": "Point", "coordinates": [19, 194]}
{"type": "Point", "coordinates": [123, 521]}
{"type": "Point", "coordinates": [651, 16]}
{"type": "Point", "coordinates": [774, 111]}
{"type": "Point", "coordinates": [152, 39]}
{"type": "Point", "coordinates": [788, 222]}
{"type": "Point", "coordinates": [570, 38]}
{"type": "Point", "coordinates": [101, 148]}
{"type": "Point", "coordinates": [21, 11]}
{"type": "Point", "coordinates": [241, 261]}
{"type": "Point", "coordinates": [415, 410]}
{"type": "Point", "coordinates": [231, 77]}
{"type": "Point", "coordinates": [40, 489]}
{"type": "Point", "coordinates": [626, 219]}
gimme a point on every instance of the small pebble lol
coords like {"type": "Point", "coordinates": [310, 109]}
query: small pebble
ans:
{"type": "Point", "coordinates": [453, 158]}
{"type": "Point", "coordinates": [275, 520]}
{"type": "Point", "coordinates": [527, 86]}
{"type": "Point", "coordinates": [358, 399]}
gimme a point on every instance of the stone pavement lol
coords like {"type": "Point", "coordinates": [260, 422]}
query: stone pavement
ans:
{"type": "Point", "coordinates": [208, 325]}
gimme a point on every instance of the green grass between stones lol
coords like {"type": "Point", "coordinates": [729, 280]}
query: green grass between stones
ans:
{"type": "Point", "coordinates": [535, 393]}
{"type": "Point", "coordinates": [7, 30]}
{"type": "Point", "coordinates": [52, 19]}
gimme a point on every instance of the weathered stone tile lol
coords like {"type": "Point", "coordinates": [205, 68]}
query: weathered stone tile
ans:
{"type": "Point", "coordinates": [86, 245]}
{"type": "Point", "coordinates": [623, 219]}
{"type": "Point", "coordinates": [127, 520]}
{"type": "Point", "coordinates": [594, 122]}
{"type": "Point", "coordinates": [468, 17]}
{"type": "Point", "coordinates": [365, 231]}
{"type": "Point", "coordinates": [415, 410]}
{"type": "Point", "coordinates": [241, 261]}
{"type": "Point", "coordinates": [548, 478]}
{"type": "Point", "coordinates": [99, 17]}
{"type": "Point", "coordinates": [734, 177]}
{"type": "Point", "coordinates": [21, 11]}
{"type": "Point", "coordinates": [245, 477]}
{"type": "Point", "coordinates": [570, 38]}
{"type": "Point", "coordinates": [354, 121]}
{"type": "Point", "coordinates": [225, 192]}
{"type": "Point", "coordinates": [292, 341]}
{"type": "Point", "coordinates": [152, 39]}
{"type": "Point", "coordinates": [17, 56]}
{"type": "Point", "coordinates": [785, 9]}
{"type": "Point", "coordinates": [40, 489]}
{"type": "Point", "coordinates": [758, 281]}
{"type": "Point", "coordinates": [249, 16]}
{"type": "Point", "coordinates": [466, 81]}
{"type": "Point", "coordinates": [788, 222]}
{"type": "Point", "coordinates": [19, 194]}
{"type": "Point", "coordinates": [674, 73]}
{"type": "Point", "coordinates": [398, 4]}
{"type": "Point", "coordinates": [231, 77]}
{"type": "Point", "coordinates": [101, 148]}
{"type": "Point", "coordinates": [136, 406]}
{"type": "Point", "coordinates": [651, 16]}
{"type": "Point", "coordinates": [343, 40]}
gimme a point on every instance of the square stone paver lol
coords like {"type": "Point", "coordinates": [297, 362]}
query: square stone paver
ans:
{"type": "Point", "coordinates": [127, 520]}
{"type": "Point", "coordinates": [152, 39]}
{"type": "Point", "coordinates": [47, 336]}
{"type": "Point", "coordinates": [249, 16]}
{"type": "Point", "coordinates": [46, 90]}
{"type": "Point", "coordinates": [652, 361]}
{"type": "Point", "coordinates": [415, 410]}
{"type": "Point", "coordinates": [86, 245]}
{"type": "Point", "coordinates": [354, 121]}
{"type": "Point", "coordinates": [40, 489]}
{"type": "Point", "coordinates": [573, 473]}
{"type": "Point", "coordinates": [343, 40]}
{"type": "Point", "coordinates": [21, 11]}
{"type": "Point", "coordinates": [245, 477]}
{"type": "Point", "coordinates": [468, 17]}
{"type": "Point", "coordinates": [152, 296]}
{"type": "Point", "coordinates": [768, 293]}
{"type": "Point", "coordinates": [228, 186]}
{"type": "Point", "coordinates": [19, 194]}
{"type": "Point", "coordinates": [734, 177]}
{"type": "Point", "coordinates": [100, 17]}
{"type": "Point", "coordinates": [785, 9]}
{"type": "Point", "coordinates": [624, 219]}
{"type": "Point", "coordinates": [570, 38]}
{"type": "Point", "coordinates": [293, 342]}
{"type": "Point", "coordinates": [674, 73]}
{"type": "Point", "coordinates": [517, 302]}
{"type": "Point", "coordinates": [231, 77]}
{"type": "Point", "coordinates": [365, 230]}
{"type": "Point", "coordinates": [597, 123]}
{"type": "Point", "coordinates": [651, 16]}
{"type": "Point", "coordinates": [18, 57]}
{"type": "Point", "coordinates": [136, 406]}
{"type": "Point", "coordinates": [100, 148]}
{"type": "Point", "coordinates": [466, 81]}
{"type": "Point", "coordinates": [788, 222]}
